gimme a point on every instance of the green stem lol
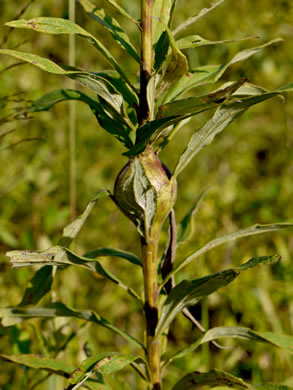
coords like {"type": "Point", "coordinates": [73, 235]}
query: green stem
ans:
{"type": "Point", "coordinates": [72, 122]}
{"type": "Point", "coordinates": [146, 67]}
{"type": "Point", "coordinates": [150, 270]}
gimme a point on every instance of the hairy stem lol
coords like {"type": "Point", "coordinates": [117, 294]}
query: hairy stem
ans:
{"type": "Point", "coordinates": [146, 59]}
{"type": "Point", "coordinates": [150, 270]}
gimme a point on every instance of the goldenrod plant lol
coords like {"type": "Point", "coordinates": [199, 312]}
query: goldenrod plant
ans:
{"type": "Point", "coordinates": [144, 117]}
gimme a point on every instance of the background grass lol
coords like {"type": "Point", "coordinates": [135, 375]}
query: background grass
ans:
{"type": "Point", "coordinates": [249, 166]}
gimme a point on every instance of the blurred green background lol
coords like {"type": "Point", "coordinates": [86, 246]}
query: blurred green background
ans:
{"type": "Point", "coordinates": [249, 165]}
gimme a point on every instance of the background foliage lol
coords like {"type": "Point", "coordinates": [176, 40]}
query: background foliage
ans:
{"type": "Point", "coordinates": [249, 166]}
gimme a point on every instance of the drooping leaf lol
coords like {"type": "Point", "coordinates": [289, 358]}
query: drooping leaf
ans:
{"type": "Point", "coordinates": [130, 95]}
{"type": "Point", "coordinates": [111, 25]}
{"type": "Point", "coordinates": [250, 231]}
{"type": "Point", "coordinates": [189, 292]}
{"type": "Point", "coordinates": [282, 341]}
{"type": "Point", "coordinates": [185, 227]}
{"type": "Point", "coordinates": [59, 256]}
{"type": "Point", "coordinates": [114, 253]}
{"type": "Point", "coordinates": [105, 363]}
{"type": "Point", "coordinates": [63, 26]}
{"type": "Point", "coordinates": [212, 378]}
{"type": "Point", "coordinates": [100, 86]}
{"type": "Point", "coordinates": [38, 287]}
{"type": "Point", "coordinates": [122, 11]}
{"type": "Point", "coordinates": [195, 18]}
{"type": "Point", "coordinates": [226, 114]}
{"type": "Point", "coordinates": [14, 315]}
{"type": "Point", "coordinates": [114, 127]}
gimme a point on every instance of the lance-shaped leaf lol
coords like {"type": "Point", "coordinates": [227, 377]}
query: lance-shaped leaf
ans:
{"type": "Point", "coordinates": [212, 378]}
{"type": "Point", "coordinates": [113, 253]}
{"type": "Point", "coordinates": [105, 363]}
{"type": "Point", "coordinates": [59, 256]}
{"type": "Point", "coordinates": [185, 227]}
{"type": "Point", "coordinates": [42, 281]}
{"type": "Point", "coordinates": [195, 18]}
{"type": "Point", "coordinates": [63, 26]}
{"type": "Point", "coordinates": [161, 16]}
{"type": "Point", "coordinates": [250, 231]}
{"type": "Point", "coordinates": [209, 74]}
{"type": "Point", "coordinates": [175, 112]}
{"type": "Point", "coordinates": [112, 126]}
{"type": "Point", "coordinates": [99, 85]}
{"type": "Point", "coordinates": [14, 315]}
{"type": "Point", "coordinates": [194, 41]}
{"type": "Point", "coordinates": [221, 119]}
{"type": "Point", "coordinates": [53, 366]}
{"type": "Point", "coordinates": [122, 11]}
{"type": "Point", "coordinates": [189, 292]}
{"type": "Point", "coordinates": [71, 231]}
{"type": "Point", "coordinates": [38, 287]}
{"type": "Point", "coordinates": [282, 341]}
{"type": "Point", "coordinates": [194, 105]}
{"type": "Point", "coordinates": [111, 25]}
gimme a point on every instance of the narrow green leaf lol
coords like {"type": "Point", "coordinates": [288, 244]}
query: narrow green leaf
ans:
{"type": "Point", "coordinates": [250, 231]}
{"type": "Point", "coordinates": [114, 253]}
{"type": "Point", "coordinates": [54, 366]}
{"type": "Point", "coordinates": [161, 17]}
{"type": "Point", "coordinates": [195, 18]}
{"type": "Point", "coordinates": [38, 287]}
{"type": "Point", "coordinates": [194, 41]}
{"type": "Point", "coordinates": [244, 55]}
{"type": "Point", "coordinates": [71, 231]}
{"type": "Point", "coordinates": [63, 26]}
{"type": "Point", "coordinates": [14, 315]}
{"type": "Point", "coordinates": [59, 256]}
{"type": "Point", "coordinates": [209, 74]}
{"type": "Point", "coordinates": [172, 113]}
{"type": "Point", "coordinates": [198, 76]}
{"type": "Point", "coordinates": [130, 95]}
{"type": "Point", "coordinates": [212, 378]}
{"type": "Point", "coordinates": [111, 25]}
{"type": "Point", "coordinates": [105, 363]}
{"type": "Point", "coordinates": [114, 127]}
{"type": "Point", "coordinates": [194, 105]}
{"type": "Point", "coordinates": [123, 12]}
{"type": "Point", "coordinates": [282, 341]}
{"type": "Point", "coordinates": [99, 85]}
{"type": "Point", "coordinates": [161, 51]}
{"type": "Point", "coordinates": [189, 292]}
{"type": "Point", "coordinates": [185, 227]}
{"type": "Point", "coordinates": [221, 119]}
